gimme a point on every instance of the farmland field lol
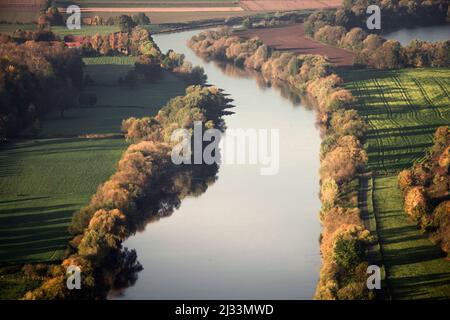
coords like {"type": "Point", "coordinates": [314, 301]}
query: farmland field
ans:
{"type": "Point", "coordinates": [272, 5]}
{"type": "Point", "coordinates": [112, 3]}
{"type": "Point", "coordinates": [44, 180]}
{"type": "Point", "coordinates": [60, 30]}
{"type": "Point", "coordinates": [293, 38]}
{"type": "Point", "coordinates": [403, 108]}
{"type": "Point", "coordinates": [85, 30]}
{"type": "Point", "coordinates": [114, 102]}
{"type": "Point", "coordinates": [416, 268]}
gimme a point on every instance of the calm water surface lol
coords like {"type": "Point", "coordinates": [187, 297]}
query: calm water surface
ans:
{"type": "Point", "coordinates": [434, 33]}
{"type": "Point", "coordinates": [248, 236]}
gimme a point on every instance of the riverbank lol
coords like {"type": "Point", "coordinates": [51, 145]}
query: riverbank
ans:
{"type": "Point", "coordinates": [50, 176]}
{"type": "Point", "coordinates": [200, 251]}
{"type": "Point", "coordinates": [343, 234]}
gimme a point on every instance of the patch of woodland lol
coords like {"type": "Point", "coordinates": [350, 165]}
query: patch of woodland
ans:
{"type": "Point", "coordinates": [426, 190]}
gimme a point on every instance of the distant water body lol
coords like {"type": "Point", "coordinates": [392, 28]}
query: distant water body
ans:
{"type": "Point", "coordinates": [432, 34]}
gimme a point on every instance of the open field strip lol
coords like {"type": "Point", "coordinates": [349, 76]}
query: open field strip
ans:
{"type": "Point", "coordinates": [44, 180]}
{"type": "Point", "coordinates": [158, 9]}
{"type": "Point", "coordinates": [84, 31]}
{"type": "Point", "coordinates": [273, 5]}
{"type": "Point", "coordinates": [403, 109]}
{"type": "Point", "coordinates": [61, 30]}
{"type": "Point", "coordinates": [131, 3]}
{"type": "Point", "coordinates": [42, 183]}
{"type": "Point", "coordinates": [416, 268]}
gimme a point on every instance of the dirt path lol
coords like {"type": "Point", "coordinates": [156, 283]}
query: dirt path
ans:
{"type": "Point", "coordinates": [292, 38]}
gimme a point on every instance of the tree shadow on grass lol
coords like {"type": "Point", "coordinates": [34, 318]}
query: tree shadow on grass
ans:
{"type": "Point", "coordinates": [34, 231]}
{"type": "Point", "coordinates": [5, 202]}
{"type": "Point", "coordinates": [422, 287]}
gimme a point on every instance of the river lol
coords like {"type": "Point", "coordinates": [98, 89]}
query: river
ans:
{"type": "Point", "coordinates": [431, 33]}
{"type": "Point", "coordinates": [249, 236]}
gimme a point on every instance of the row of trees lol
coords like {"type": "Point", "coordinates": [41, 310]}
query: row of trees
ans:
{"type": "Point", "coordinates": [426, 190]}
{"type": "Point", "coordinates": [125, 22]}
{"type": "Point", "coordinates": [146, 185]}
{"type": "Point", "coordinates": [373, 50]}
{"type": "Point", "coordinates": [295, 70]}
{"type": "Point", "coordinates": [36, 77]}
{"type": "Point", "coordinates": [395, 14]}
{"type": "Point", "coordinates": [344, 238]}
{"type": "Point", "coordinates": [51, 16]}
{"type": "Point", "coordinates": [137, 41]}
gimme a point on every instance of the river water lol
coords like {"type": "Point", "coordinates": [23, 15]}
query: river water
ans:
{"type": "Point", "coordinates": [432, 34]}
{"type": "Point", "coordinates": [249, 236]}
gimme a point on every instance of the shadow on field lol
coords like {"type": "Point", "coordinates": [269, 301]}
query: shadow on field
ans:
{"type": "Point", "coordinates": [33, 231]}
{"type": "Point", "coordinates": [413, 255]}
{"type": "Point", "coordinates": [410, 286]}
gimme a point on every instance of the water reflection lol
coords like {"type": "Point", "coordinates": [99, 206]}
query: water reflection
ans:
{"type": "Point", "coordinates": [432, 34]}
{"type": "Point", "coordinates": [122, 268]}
{"type": "Point", "coordinates": [247, 236]}
{"type": "Point", "coordinates": [295, 97]}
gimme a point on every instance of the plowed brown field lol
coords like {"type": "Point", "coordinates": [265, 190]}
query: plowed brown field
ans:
{"type": "Point", "coordinates": [274, 5]}
{"type": "Point", "coordinates": [292, 38]}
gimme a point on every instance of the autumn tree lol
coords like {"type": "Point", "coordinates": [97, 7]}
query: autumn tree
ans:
{"type": "Point", "coordinates": [344, 160]}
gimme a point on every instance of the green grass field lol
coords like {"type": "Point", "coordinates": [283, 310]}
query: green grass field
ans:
{"type": "Point", "coordinates": [114, 102]}
{"type": "Point", "coordinates": [416, 268]}
{"type": "Point", "coordinates": [403, 108]}
{"type": "Point", "coordinates": [85, 30]}
{"type": "Point", "coordinates": [42, 183]}
{"type": "Point", "coordinates": [44, 180]}
{"type": "Point", "coordinates": [9, 28]}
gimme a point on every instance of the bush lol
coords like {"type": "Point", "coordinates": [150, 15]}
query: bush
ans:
{"type": "Point", "coordinates": [330, 35]}
{"type": "Point", "coordinates": [141, 19]}
{"type": "Point", "coordinates": [405, 179]}
{"type": "Point", "coordinates": [344, 160]}
{"type": "Point", "coordinates": [416, 204]}
{"type": "Point", "coordinates": [350, 247]}
{"type": "Point", "coordinates": [348, 122]}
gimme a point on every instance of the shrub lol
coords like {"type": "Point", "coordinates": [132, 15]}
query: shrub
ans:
{"type": "Point", "coordinates": [350, 247]}
{"type": "Point", "coordinates": [330, 35]}
{"type": "Point", "coordinates": [416, 202]}
{"type": "Point", "coordinates": [405, 179]}
{"type": "Point", "coordinates": [348, 122]}
{"type": "Point", "coordinates": [342, 162]}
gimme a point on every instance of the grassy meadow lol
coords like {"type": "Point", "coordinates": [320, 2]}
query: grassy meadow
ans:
{"type": "Point", "coordinates": [416, 268]}
{"type": "Point", "coordinates": [44, 180]}
{"type": "Point", "coordinates": [9, 28]}
{"type": "Point", "coordinates": [403, 109]}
